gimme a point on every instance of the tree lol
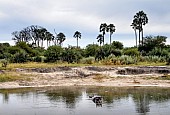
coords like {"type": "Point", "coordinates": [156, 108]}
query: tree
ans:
{"type": "Point", "coordinates": [151, 42]}
{"type": "Point", "coordinates": [110, 29]}
{"type": "Point", "coordinates": [61, 38]}
{"type": "Point", "coordinates": [77, 35]}
{"type": "Point", "coordinates": [117, 45]}
{"type": "Point", "coordinates": [33, 35]}
{"type": "Point", "coordinates": [135, 27]}
{"type": "Point", "coordinates": [49, 38]}
{"type": "Point", "coordinates": [140, 19]}
{"type": "Point", "coordinates": [103, 28]}
{"type": "Point", "coordinates": [100, 39]}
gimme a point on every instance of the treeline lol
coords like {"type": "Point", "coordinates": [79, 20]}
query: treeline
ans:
{"type": "Point", "coordinates": [153, 49]}
{"type": "Point", "coordinates": [30, 46]}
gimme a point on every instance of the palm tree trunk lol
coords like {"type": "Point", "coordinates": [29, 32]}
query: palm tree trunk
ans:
{"type": "Point", "coordinates": [139, 36]}
{"type": "Point", "coordinates": [77, 42]}
{"type": "Point", "coordinates": [38, 42]}
{"type": "Point", "coordinates": [142, 37]}
{"type": "Point", "coordinates": [47, 43]}
{"type": "Point", "coordinates": [103, 39]}
{"type": "Point", "coordinates": [110, 38]}
{"type": "Point", "coordinates": [136, 38]}
{"type": "Point", "coordinates": [42, 43]}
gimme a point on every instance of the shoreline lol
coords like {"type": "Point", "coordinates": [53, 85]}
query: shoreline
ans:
{"type": "Point", "coordinates": [145, 76]}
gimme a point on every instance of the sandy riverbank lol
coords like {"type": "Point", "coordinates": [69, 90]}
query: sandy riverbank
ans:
{"type": "Point", "coordinates": [91, 76]}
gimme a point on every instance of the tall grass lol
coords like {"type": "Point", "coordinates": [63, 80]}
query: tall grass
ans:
{"type": "Point", "coordinates": [11, 76]}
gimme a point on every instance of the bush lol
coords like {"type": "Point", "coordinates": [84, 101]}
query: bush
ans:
{"type": "Point", "coordinates": [159, 52]}
{"type": "Point", "coordinates": [124, 59]}
{"type": "Point", "coordinates": [39, 59]}
{"type": "Point", "coordinates": [20, 57]}
{"type": "Point", "coordinates": [116, 52]}
{"type": "Point", "coordinates": [13, 50]}
{"type": "Point", "coordinates": [53, 53]}
{"type": "Point", "coordinates": [91, 50]}
{"type": "Point", "coordinates": [168, 61]}
{"type": "Point", "coordinates": [89, 60]}
{"type": "Point", "coordinates": [132, 52]}
{"type": "Point", "coordinates": [152, 59]}
{"type": "Point", "coordinates": [4, 63]}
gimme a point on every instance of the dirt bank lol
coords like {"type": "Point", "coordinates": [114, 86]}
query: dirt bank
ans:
{"type": "Point", "coordinates": [91, 75]}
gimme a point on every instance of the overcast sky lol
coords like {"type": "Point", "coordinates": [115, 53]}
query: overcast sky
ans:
{"type": "Point", "coordinates": [68, 16]}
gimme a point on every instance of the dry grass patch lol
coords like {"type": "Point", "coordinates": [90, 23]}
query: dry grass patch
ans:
{"type": "Point", "coordinates": [100, 77]}
{"type": "Point", "coordinates": [12, 76]}
{"type": "Point", "coordinates": [163, 77]}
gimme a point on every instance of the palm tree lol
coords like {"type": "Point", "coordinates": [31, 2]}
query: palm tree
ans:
{"type": "Point", "coordinates": [140, 19]}
{"type": "Point", "coordinates": [110, 29]}
{"type": "Point", "coordinates": [55, 38]}
{"type": "Point", "coordinates": [100, 39]}
{"type": "Point", "coordinates": [43, 35]}
{"type": "Point", "coordinates": [61, 38]}
{"type": "Point", "coordinates": [77, 35]}
{"type": "Point", "coordinates": [135, 27]}
{"type": "Point", "coordinates": [49, 38]}
{"type": "Point", "coordinates": [103, 28]}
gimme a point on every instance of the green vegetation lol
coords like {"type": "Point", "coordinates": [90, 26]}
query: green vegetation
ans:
{"type": "Point", "coordinates": [12, 76]}
{"type": "Point", "coordinates": [29, 48]}
{"type": "Point", "coordinates": [113, 54]}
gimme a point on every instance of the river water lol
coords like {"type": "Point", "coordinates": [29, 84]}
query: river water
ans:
{"type": "Point", "coordinates": [76, 101]}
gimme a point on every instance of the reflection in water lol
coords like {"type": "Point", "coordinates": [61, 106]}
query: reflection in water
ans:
{"type": "Point", "coordinates": [80, 100]}
{"type": "Point", "coordinates": [142, 103]}
{"type": "Point", "coordinates": [68, 95]}
{"type": "Point", "coordinates": [5, 97]}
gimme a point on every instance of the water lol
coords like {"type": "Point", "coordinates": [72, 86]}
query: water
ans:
{"type": "Point", "coordinates": [76, 101]}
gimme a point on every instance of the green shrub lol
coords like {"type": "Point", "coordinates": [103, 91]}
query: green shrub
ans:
{"type": "Point", "coordinates": [4, 63]}
{"type": "Point", "coordinates": [91, 50]}
{"type": "Point", "coordinates": [159, 52]}
{"type": "Point", "coordinates": [39, 59]}
{"type": "Point", "coordinates": [126, 60]}
{"type": "Point", "coordinates": [53, 53]}
{"type": "Point", "coordinates": [113, 59]}
{"type": "Point", "coordinates": [132, 52]}
{"type": "Point", "coordinates": [168, 61]}
{"type": "Point", "coordinates": [13, 50]}
{"type": "Point", "coordinates": [116, 52]}
{"type": "Point", "coordinates": [89, 60]}
{"type": "Point", "coordinates": [20, 57]}
{"type": "Point", "coordinates": [154, 59]}
{"type": "Point", "coordinates": [107, 61]}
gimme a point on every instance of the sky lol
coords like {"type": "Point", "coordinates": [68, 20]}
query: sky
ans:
{"type": "Point", "coordinates": [85, 16]}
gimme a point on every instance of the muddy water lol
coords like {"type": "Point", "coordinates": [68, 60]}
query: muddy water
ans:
{"type": "Point", "coordinates": [77, 101]}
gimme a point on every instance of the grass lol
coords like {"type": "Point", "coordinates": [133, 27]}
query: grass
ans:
{"type": "Point", "coordinates": [49, 65]}
{"type": "Point", "coordinates": [164, 77]}
{"type": "Point", "coordinates": [12, 76]}
{"type": "Point", "coordinates": [150, 64]}
{"type": "Point", "coordinates": [44, 65]}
